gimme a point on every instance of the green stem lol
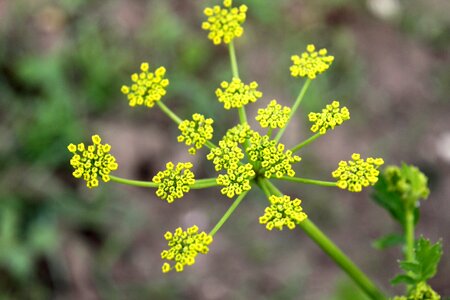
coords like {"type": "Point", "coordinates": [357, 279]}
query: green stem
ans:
{"type": "Point", "coordinates": [204, 183]}
{"type": "Point", "coordinates": [228, 213]}
{"type": "Point", "coordinates": [294, 108]}
{"type": "Point", "coordinates": [234, 65]}
{"type": "Point", "coordinates": [169, 112]}
{"type": "Point", "coordinates": [336, 254]}
{"type": "Point", "coordinates": [305, 142]}
{"type": "Point", "coordinates": [269, 132]}
{"type": "Point", "coordinates": [409, 235]}
{"type": "Point", "coordinates": [133, 182]}
{"type": "Point", "coordinates": [308, 181]}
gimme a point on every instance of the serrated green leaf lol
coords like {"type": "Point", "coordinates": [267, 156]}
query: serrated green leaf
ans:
{"type": "Point", "coordinates": [428, 256]}
{"type": "Point", "coordinates": [403, 278]}
{"type": "Point", "coordinates": [387, 241]}
{"type": "Point", "coordinates": [410, 267]}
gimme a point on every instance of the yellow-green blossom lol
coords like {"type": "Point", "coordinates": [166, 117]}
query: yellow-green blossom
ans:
{"type": "Point", "coordinates": [239, 133]}
{"type": "Point", "coordinates": [273, 116]}
{"type": "Point", "coordinates": [184, 246]}
{"type": "Point", "coordinates": [236, 94]}
{"type": "Point", "coordinates": [226, 156]}
{"type": "Point", "coordinates": [93, 161]}
{"type": "Point", "coordinates": [174, 181]}
{"type": "Point", "coordinates": [236, 180]}
{"type": "Point", "coordinates": [311, 62]}
{"type": "Point", "coordinates": [147, 88]}
{"type": "Point", "coordinates": [357, 173]}
{"type": "Point", "coordinates": [224, 23]}
{"type": "Point", "coordinates": [330, 117]}
{"type": "Point", "coordinates": [271, 156]}
{"type": "Point", "coordinates": [196, 132]}
{"type": "Point", "coordinates": [282, 212]}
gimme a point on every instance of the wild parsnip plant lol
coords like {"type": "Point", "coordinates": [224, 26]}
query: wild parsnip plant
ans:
{"type": "Point", "coordinates": [246, 158]}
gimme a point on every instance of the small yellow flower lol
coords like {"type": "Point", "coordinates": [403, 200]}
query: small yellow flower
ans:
{"type": "Point", "coordinates": [357, 173]}
{"type": "Point", "coordinates": [196, 132]}
{"type": "Point", "coordinates": [184, 246]}
{"type": "Point", "coordinates": [330, 117]}
{"type": "Point", "coordinates": [175, 181]}
{"type": "Point", "coordinates": [236, 94]}
{"type": "Point", "coordinates": [271, 156]}
{"type": "Point", "coordinates": [224, 23]}
{"type": "Point", "coordinates": [92, 161]}
{"type": "Point", "coordinates": [282, 212]}
{"type": "Point", "coordinates": [310, 63]}
{"type": "Point", "coordinates": [273, 116]}
{"type": "Point", "coordinates": [147, 88]}
{"type": "Point", "coordinates": [236, 180]}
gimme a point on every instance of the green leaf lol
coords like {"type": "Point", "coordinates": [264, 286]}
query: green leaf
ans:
{"type": "Point", "coordinates": [403, 278]}
{"type": "Point", "coordinates": [387, 241]}
{"type": "Point", "coordinates": [428, 256]}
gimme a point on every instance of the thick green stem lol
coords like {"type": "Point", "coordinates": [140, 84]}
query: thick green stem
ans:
{"type": "Point", "coordinates": [305, 142]}
{"type": "Point", "coordinates": [409, 235]}
{"type": "Point", "coordinates": [294, 108]}
{"type": "Point", "coordinates": [169, 112]}
{"type": "Point", "coordinates": [133, 182]}
{"type": "Point", "coordinates": [228, 213]}
{"type": "Point", "coordinates": [308, 181]}
{"type": "Point", "coordinates": [335, 253]}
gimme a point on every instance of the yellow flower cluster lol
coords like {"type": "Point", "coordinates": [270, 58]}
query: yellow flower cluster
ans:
{"type": "Point", "coordinates": [311, 62]}
{"type": "Point", "coordinates": [147, 87]}
{"type": "Point", "coordinates": [226, 156]}
{"type": "Point", "coordinates": [184, 248]}
{"type": "Point", "coordinates": [92, 161]}
{"type": "Point", "coordinates": [174, 181]}
{"type": "Point", "coordinates": [330, 117]}
{"type": "Point", "coordinates": [239, 133]}
{"type": "Point", "coordinates": [236, 180]}
{"type": "Point", "coordinates": [224, 23]}
{"type": "Point", "coordinates": [273, 116]}
{"type": "Point", "coordinates": [282, 212]}
{"type": "Point", "coordinates": [357, 173]}
{"type": "Point", "coordinates": [271, 156]}
{"type": "Point", "coordinates": [196, 132]}
{"type": "Point", "coordinates": [236, 94]}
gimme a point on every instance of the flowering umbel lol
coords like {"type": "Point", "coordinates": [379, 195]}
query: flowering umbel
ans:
{"type": "Point", "coordinates": [236, 94]}
{"type": "Point", "coordinates": [273, 116]}
{"type": "Point", "coordinates": [184, 246]}
{"type": "Point", "coordinates": [93, 161]}
{"type": "Point", "coordinates": [175, 181]}
{"type": "Point", "coordinates": [357, 173]}
{"type": "Point", "coordinates": [224, 23]}
{"type": "Point", "coordinates": [310, 63]}
{"type": "Point", "coordinates": [196, 132]}
{"type": "Point", "coordinates": [147, 88]}
{"type": "Point", "coordinates": [330, 117]}
{"type": "Point", "coordinates": [282, 212]}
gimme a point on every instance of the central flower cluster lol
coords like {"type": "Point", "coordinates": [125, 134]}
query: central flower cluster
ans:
{"type": "Point", "coordinates": [236, 94]}
{"type": "Point", "coordinates": [282, 212]}
{"type": "Point", "coordinates": [174, 181]}
{"type": "Point", "coordinates": [266, 158]}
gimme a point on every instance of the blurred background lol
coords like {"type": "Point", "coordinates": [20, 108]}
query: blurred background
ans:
{"type": "Point", "coordinates": [62, 64]}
